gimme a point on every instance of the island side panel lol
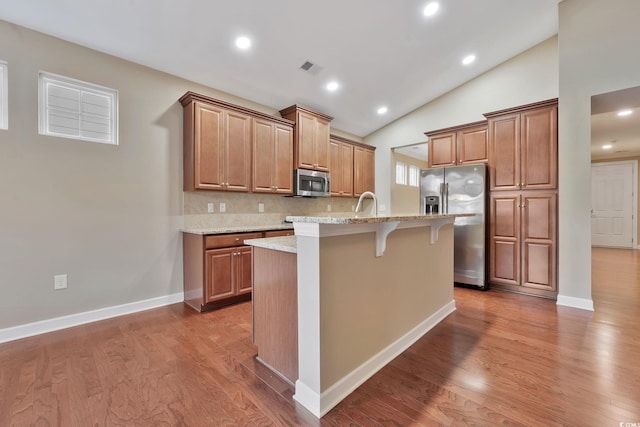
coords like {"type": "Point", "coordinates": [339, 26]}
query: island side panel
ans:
{"type": "Point", "coordinates": [367, 302]}
{"type": "Point", "coordinates": [275, 310]}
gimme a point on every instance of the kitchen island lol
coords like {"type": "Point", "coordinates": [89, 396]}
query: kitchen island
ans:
{"type": "Point", "coordinates": [367, 288]}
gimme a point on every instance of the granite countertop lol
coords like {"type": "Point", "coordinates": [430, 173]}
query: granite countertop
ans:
{"type": "Point", "coordinates": [238, 229]}
{"type": "Point", "coordinates": [284, 243]}
{"type": "Point", "coordinates": [351, 219]}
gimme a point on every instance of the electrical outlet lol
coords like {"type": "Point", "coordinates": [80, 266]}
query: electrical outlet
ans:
{"type": "Point", "coordinates": [223, 207]}
{"type": "Point", "coordinates": [383, 207]}
{"type": "Point", "coordinates": [210, 207]}
{"type": "Point", "coordinates": [260, 207]}
{"type": "Point", "coordinates": [60, 282]}
{"type": "Point", "coordinates": [328, 208]}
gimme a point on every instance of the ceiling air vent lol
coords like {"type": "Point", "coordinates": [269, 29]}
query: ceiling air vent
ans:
{"type": "Point", "coordinates": [310, 68]}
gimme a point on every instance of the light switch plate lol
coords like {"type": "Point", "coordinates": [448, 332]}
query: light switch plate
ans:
{"type": "Point", "coordinates": [60, 282]}
{"type": "Point", "coordinates": [210, 207]}
{"type": "Point", "coordinates": [223, 207]}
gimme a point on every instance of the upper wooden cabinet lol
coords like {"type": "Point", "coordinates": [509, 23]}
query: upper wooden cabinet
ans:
{"type": "Point", "coordinates": [273, 162]}
{"type": "Point", "coordinates": [341, 166]}
{"type": "Point", "coordinates": [217, 154]}
{"type": "Point", "coordinates": [364, 164]}
{"type": "Point", "coordinates": [310, 138]}
{"type": "Point", "coordinates": [523, 147]}
{"type": "Point", "coordinates": [458, 145]}
{"type": "Point", "coordinates": [218, 142]}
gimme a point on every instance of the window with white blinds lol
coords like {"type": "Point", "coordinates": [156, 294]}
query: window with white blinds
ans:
{"type": "Point", "coordinates": [401, 173]}
{"type": "Point", "coordinates": [4, 95]}
{"type": "Point", "coordinates": [74, 109]}
{"type": "Point", "coordinates": [414, 176]}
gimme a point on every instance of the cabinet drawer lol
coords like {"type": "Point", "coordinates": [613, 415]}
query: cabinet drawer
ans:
{"type": "Point", "coordinates": [279, 233]}
{"type": "Point", "coordinates": [228, 240]}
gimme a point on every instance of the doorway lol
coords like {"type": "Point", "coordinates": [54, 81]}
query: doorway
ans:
{"type": "Point", "coordinates": [615, 152]}
{"type": "Point", "coordinates": [613, 201]}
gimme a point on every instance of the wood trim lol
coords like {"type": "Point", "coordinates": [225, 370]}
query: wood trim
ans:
{"type": "Point", "coordinates": [521, 108]}
{"type": "Point", "coordinates": [193, 270]}
{"type": "Point", "coordinates": [456, 128]}
{"type": "Point", "coordinates": [352, 142]}
{"type": "Point", "coordinates": [524, 290]}
{"type": "Point", "coordinates": [192, 96]}
{"type": "Point", "coordinates": [300, 108]}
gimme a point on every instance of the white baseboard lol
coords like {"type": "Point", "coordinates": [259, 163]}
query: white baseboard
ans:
{"type": "Point", "coordinates": [320, 404]}
{"type": "Point", "coordinates": [581, 303]}
{"type": "Point", "coordinates": [57, 323]}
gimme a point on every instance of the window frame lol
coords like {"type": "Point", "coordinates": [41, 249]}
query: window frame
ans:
{"type": "Point", "coordinates": [403, 175]}
{"type": "Point", "coordinates": [46, 80]}
{"type": "Point", "coordinates": [4, 95]}
{"type": "Point", "coordinates": [414, 171]}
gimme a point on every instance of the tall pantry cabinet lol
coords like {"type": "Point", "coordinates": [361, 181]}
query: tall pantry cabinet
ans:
{"type": "Point", "coordinates": [523, 170]}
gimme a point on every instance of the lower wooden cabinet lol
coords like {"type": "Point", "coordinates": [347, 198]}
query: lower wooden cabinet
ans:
{"type": "Point", "coordinates": [228, 273]}
{"type": "Point", "coordinates": [218, 268]}
{"type": "Point", "coordinates": [523, 242]}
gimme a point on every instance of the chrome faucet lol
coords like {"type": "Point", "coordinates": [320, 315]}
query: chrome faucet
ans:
{"type": "Point", "coordinates": [374, 208]}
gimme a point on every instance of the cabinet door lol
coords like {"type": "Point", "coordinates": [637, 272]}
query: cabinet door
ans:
{"type": "Point", "coordinates": [208, 150]}
{"type": "Point", "coordinates": [263, 149]}
{"type": "Point", "coordinates": [504, 229]}
{"type": "Point", "coordinates": [539, 240]}
{"type": "Point", "coordinates": [283, 160]}
{"type": "Point", "coordinates": [335, 151]}
{"type": "Point", "coordinates": [219, 268]}
{"type": "Point", "coordinates": [244, 278]}
{"type": "Point", "coordinates": [237, 156]}
{"type": "Point", "coordinates": [321, 142]}
{"type": "Point", "coordinates": [540, 149]}
{"type": "Point", "coordinates": [346, 170]}
{"type": "Point", "coordinates": [306, 129]}
{"type": "Point", "coordinates": [442, 150]}
{"type": "Point", "coordinates": [504, 152]}
{"type": "Point", "coordinates": [363, 170]}
{"type": "Point", "coordinates": [473, 145]}
{"type": "Point", "coordinates": [342, 169]}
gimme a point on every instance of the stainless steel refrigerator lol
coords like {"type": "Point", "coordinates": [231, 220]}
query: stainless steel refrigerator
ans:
{"type": "Point", "coordinates": [460, 189]}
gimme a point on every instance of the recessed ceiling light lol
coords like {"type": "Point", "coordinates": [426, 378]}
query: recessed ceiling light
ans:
{"type": "Point", "coordinates": [382, 110]}
{"type": "Point", "coordinates": [243, 42]}
{"type": "Point", "coordinates": [607, 146]}
{"type": "Point", "coordinates": [332, 86]}
{"type": "Point", "coordinates": [468, 59]}
{"type": "Point", "coordinates": [623, 113]}
{"type": "Point", "coordinates": [431, 8]}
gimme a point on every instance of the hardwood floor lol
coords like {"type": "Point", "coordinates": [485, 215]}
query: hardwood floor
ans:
{"type": "Point", "coordinates": [501, 358]}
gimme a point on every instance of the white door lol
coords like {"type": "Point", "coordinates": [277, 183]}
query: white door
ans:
{"type": "Point", "coordinates": [612, 204]}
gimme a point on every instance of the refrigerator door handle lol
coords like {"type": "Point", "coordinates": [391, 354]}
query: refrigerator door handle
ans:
{"type": "Point", "coordinates": [445, 198]}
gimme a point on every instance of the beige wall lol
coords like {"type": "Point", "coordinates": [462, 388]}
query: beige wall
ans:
{"type": "Point", "coordinates": [598, 43]}
{"type": "Point", "coordinates": [405, 199]}
{"type": "Point", "coordinates": [529, 77]}
{"type": "Point", "coordinates": [108, 216]}
{"type": "Point", "coordinates": [368, 303]}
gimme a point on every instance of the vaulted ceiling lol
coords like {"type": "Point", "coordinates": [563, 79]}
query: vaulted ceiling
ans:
{"type": "Point", "coordinates": [381, 53]}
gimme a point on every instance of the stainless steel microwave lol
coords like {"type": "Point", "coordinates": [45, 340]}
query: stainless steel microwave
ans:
{"type": "Point", "coordinates": [311, 183]}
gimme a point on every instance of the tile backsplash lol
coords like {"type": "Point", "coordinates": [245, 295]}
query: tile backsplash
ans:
{"type": "Point", "coordinates": [242, 209]}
